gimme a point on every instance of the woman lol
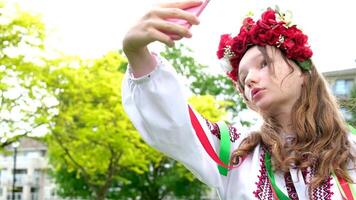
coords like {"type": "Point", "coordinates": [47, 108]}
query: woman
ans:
{"type": "Point", "coordinates": [303, 149]}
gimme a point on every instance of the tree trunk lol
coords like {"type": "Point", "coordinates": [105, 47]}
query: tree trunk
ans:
{"type": "Point", "coordinates": [101, 193]}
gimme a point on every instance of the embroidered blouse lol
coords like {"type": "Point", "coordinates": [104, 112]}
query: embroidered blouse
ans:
{"type": "Point", "coordinates": [156, 104]}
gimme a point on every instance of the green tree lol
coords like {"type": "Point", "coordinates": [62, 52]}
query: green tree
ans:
{"type": "Point", "coordinates": [200, 80]}
{"type": "Point", "coordinates": [91, 129]}
{"type": "Point", "coordinates": [91, 134]}
{"type": "Point", "coordinates": [350, 105]}
{"type": "Point", "coordinates": [70, 183]}
{"type": "Point", "coordinates": [167, 177]}
{"type": "Point", "coordinates": [22, 95]}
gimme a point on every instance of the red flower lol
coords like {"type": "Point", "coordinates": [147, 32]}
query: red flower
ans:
{"type": "Point", "coordinates": [266, 31]}
{"type": "Point", "coordinates": [239, 44]}
{"type": "Point", "coordinates": [288, 43]}
{"type": "Point", "coordinates": [300, 39]}
{"type": "Point", "coordinates": [269, 16]}
{"type": "Point", "coordinates": [247, 24]}
{"type": "Point", "coordinates": [272, 37]}
{"type": "Point", "coordinates": [257, 36]}
{"type": "Point", "coordinates": [225, 40]}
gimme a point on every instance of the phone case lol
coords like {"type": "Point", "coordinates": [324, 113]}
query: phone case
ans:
{"type": "Point", "coordinates": [197, 10]}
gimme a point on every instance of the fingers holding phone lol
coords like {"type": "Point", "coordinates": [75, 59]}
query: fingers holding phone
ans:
{"type": "Point", "coordinates": [165, 23]}
{"type": "Point", "coordinates": [187, 18]}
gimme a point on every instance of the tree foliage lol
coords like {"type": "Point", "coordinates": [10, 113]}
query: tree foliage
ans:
{"type": "Point", "coordinates": [94, 150]}
{"type": "Point", "coordinates": [92, 135]}
{"type": "Point", "coordinates": [169, 178]}
{"type": "Point", "coordinates": [200, 80]}
{"type": "Point", "coordinates": [22, 95]}
{"type": "Point", "coordinates": [350, 105]}
{"type": "Point", "coordinates": [91, 130]}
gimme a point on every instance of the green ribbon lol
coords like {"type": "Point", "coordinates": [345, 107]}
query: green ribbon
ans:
{"type": "Point", "coordinates": [352, 129]}
{"type": "Point", "coordinates": [270, 174]}
{"type": "Point", "coordinates": [224, 156]}
{"type": "Point", "coordinates": [278, 192]}
{"type": "Point", "coordinates": [351, 186]}
{"type": "Point", "coordinates": [224, 153]}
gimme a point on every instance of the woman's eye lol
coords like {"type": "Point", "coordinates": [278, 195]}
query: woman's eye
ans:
{"type": "Point", "coordinates": [242, 81]}
{"type": "Point", "coordinates": [264, 64]}
{"type": "Point", "coordinates": [242, 86]}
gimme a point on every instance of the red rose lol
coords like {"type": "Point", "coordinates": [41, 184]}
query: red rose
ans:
{"type": "Point", "coordinates": [255, 35]}
{"type": "Point", "coordinates": [263, 25]}
{"type": "Point", "coordinates": [224, 41]}
{"type": "Point", "coordinates": [272, 37]}
{"type": "Point", "coordinates": [220, 53]}
{"type": "Point", "coordinates": [307, 52]}
{"type": "Point", "coordinates": [234, 72]}
{"type": "Point", "coordinates": [269, 17]}
{"type": "Point", "coordinates": [300, 39]}
{"type": "Point", "coordinates": [239, 43]}
{"type": "Point", "coordinates": [292, 31]}
{"type": "Point", "coordinates": [247, 23]}
{"type": "Point", "coordinates": [266, 31]}
{"type": "Point", "coordinates": [239, 46]}
{"type": "Point", "coordinates": [288, 43]}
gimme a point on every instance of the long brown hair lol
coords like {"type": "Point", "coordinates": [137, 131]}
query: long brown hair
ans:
{"type": "Point", "coordinates": [321, 134]}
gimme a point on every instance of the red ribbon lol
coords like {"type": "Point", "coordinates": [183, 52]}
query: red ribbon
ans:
{"type": "Point", "coordinates": [199, 131]}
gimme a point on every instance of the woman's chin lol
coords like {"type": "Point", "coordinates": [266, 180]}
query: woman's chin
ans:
{"type": "Point", "coordinates": [264, 107]}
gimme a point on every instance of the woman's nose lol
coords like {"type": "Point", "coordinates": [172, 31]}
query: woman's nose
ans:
{"type": "Point", "coordinates": [251, 78]}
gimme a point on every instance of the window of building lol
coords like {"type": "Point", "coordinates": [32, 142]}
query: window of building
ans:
{"type": "Point", "coordinates": [17, 194]}
{"type": "Point", "coordinates": [21, 171]}
{"type": "Point", "coordinates": [34, 193]}
{"type": "Point", "coordinates": [20, 175]}
{"type": "Point", "coordinates": [343, 87]}
{"type": "Point", "coordinates": [37, 176]}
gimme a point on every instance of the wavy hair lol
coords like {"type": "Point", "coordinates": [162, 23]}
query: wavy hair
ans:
{"type": "Point", "coordinates": [321, 134]}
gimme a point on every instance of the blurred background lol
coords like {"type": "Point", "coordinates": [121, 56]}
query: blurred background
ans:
{"type": "Point", "coordinates": [63, 131]}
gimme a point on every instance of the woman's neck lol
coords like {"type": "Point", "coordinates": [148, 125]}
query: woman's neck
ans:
{"type": "Point", "coordinates": [284, 120]}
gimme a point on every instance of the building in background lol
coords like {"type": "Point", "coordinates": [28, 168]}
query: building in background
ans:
{"type": "Point", "coordinates": [31, 172]}
{"type": "Point", "coordinates": [341, 83]}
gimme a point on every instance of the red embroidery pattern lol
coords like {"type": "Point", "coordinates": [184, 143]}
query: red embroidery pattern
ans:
{"type": "Point", "coordinates": [323, 192]}
{"type": "Point", "coordinates": [292, 193]}
{"type": "Point", "coordinates": [305, 174]}
{"type": "Point", "coordinates": [234, 135]}
{"type": "Point", "coordinates": [214, 129]}
{"type": "Point", "coordinates": [264, 190]}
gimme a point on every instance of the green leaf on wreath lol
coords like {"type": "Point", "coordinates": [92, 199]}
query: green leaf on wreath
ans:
{"type": "Point", "coordinates": [305, 65]}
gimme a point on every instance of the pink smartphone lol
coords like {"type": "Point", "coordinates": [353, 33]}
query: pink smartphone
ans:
{"type": "Point", "coordinates": [197, 10]}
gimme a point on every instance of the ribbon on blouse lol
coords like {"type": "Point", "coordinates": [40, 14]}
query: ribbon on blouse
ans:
{"type": "Point", "coordinates": [224, 146]}
{"type": "Point", "coordinates": [347, 190]}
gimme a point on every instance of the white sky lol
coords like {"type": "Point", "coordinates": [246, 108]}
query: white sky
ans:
{"type": "Point", "coordinates": [90, 28]}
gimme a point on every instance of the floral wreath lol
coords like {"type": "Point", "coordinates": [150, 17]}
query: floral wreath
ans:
{"type": "Point", "coordinates": [266, 31]}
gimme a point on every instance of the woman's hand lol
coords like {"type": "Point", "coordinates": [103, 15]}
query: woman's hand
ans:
{"type": "Point", "coordinates": [153, 26]}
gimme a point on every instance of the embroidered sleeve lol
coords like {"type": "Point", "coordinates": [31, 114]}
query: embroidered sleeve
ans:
{"type": "Point", "coordinates": [214, 129]}
{"type": "Point", "coordinates": [157, 106]}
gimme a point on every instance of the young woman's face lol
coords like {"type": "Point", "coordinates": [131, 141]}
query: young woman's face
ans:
{"type": "Point", "coordinates": [270, 85]}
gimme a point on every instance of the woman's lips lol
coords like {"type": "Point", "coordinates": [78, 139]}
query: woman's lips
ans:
{"type": "Point", "coordinates": [255, 93]}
